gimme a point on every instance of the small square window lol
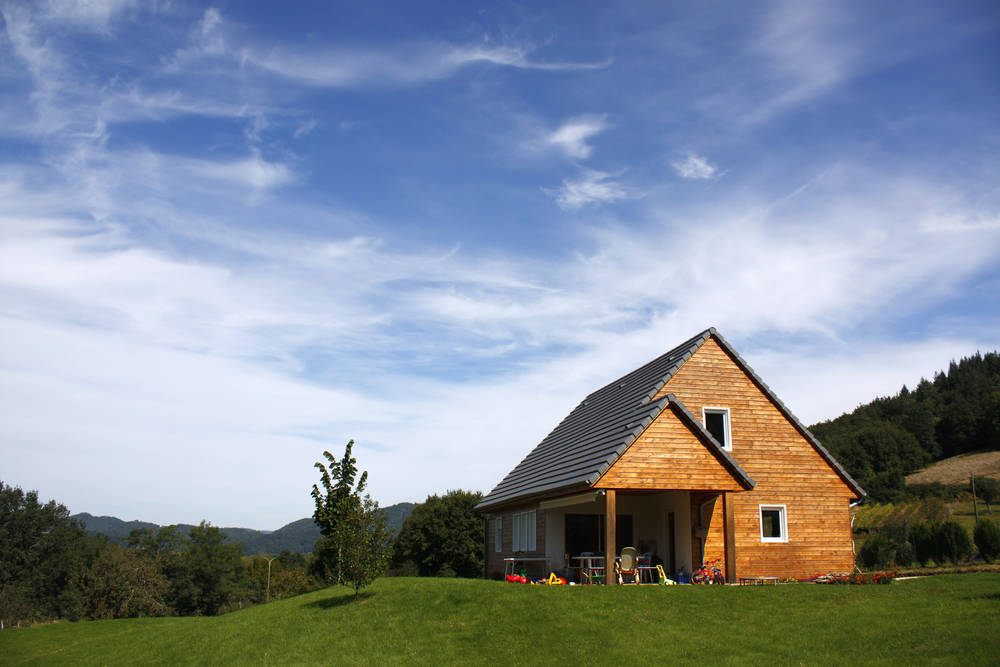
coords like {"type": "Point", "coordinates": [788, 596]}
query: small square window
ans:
{"type": "Point", "coordinates": [717, 423]}
{"type": "Point", "coordinates": [773, 523]}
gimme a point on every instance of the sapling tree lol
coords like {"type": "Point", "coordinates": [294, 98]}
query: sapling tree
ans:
{"type": "Point", "coordinates": [988, 489]}
{"type": "Point", "coordinates": [355, 540]}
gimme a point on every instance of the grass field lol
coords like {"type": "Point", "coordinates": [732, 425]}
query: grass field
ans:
{"type": "Point", "coordinates": [948, 619]}
{"type": "Point", "coordinates": [956, 470]}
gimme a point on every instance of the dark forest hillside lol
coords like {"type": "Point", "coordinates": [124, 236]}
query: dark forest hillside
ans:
{"type": "Point", "coordinates": [881, 442]}
{"type": "Point", "coordinates": [297, 536]}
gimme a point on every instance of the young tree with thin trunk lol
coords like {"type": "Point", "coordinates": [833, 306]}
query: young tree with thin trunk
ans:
{"type": "Point", "coordinates": [355, 540]}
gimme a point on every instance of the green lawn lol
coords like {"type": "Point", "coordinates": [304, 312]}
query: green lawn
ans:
{"type": "Point", "coordinates": [951, 619]}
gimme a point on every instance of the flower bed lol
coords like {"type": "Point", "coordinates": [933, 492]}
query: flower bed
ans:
{"type": "Point", "coordinates": [860, 578]}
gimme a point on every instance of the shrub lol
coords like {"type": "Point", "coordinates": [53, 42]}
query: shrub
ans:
{"type": "Point", "coordinates": [905, 554]}
{"type": "Point", "coordinates": [922, 537]}
{"type": "Point", "coordinates": [951, 542]}
{"type": "Point", "coordinates": [876, 552]}
{"type": "Point", "coordinates": [987, 537]}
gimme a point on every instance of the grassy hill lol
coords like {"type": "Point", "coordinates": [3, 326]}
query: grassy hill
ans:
{"type": "Point", "coordinates": [297, 536]}
{"type": "Point", "coordinates": [460, 621]}
{"type": "Point", "coordinates": [956, 470]}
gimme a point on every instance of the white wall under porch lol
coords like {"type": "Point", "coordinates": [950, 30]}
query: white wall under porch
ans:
{"type": "Point", "coordinates": [650, 520]}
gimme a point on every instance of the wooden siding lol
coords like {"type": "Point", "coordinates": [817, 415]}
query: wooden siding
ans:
{"type": "Point", "coordinates": [494, 560]}
{"type": "Point", "coordinates": [668, 456]}
{"type": "Point", "coordinates": [787, 469]}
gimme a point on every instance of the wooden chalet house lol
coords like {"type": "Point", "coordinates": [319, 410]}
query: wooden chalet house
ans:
{"type": "Point", "coordinates": [690, 457]}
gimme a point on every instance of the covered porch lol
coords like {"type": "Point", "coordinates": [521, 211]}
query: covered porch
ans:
{"type": "Point", "coordinates": [674, 529]}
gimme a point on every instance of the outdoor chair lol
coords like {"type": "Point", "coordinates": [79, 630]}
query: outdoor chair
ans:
{"type": "Point", "coordinates": [628, 566]}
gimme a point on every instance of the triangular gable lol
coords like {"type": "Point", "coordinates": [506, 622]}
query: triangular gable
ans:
{"type": "Point", "coordinates": [675, 451]}
{"type": "Point", "coordinates": [783, 409]}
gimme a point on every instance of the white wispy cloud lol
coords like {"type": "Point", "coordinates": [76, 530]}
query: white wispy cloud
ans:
{"type": "Point", "coordinates": [234, 350]}
{"type": "Point", "coordinates": [304, 128]}
{"type": "Point", "coordinates": [94, 15]}
{"type": "Point", "coordinates": [694, 167]}
{"type": "Point", "coordinates": [406, 64]}
{"type": "Point", "coordinates": [252, 171]}
{"type": "Point", "coordinates": [171, 313]}
{"type": "Point", "coordinates": [590, 188]}
{"type": "Point", "coordinates": [571, 137]}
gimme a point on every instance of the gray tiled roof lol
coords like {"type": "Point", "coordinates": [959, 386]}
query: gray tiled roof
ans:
{"type": "Point", "coordinates": [599, 430]}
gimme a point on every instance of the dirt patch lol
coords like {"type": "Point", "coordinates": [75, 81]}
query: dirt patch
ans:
{"type": "Point", "coordinates": [957, 469]}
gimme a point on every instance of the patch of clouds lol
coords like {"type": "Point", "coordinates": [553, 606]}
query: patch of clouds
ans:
{"type": "Point", "coordinates": [591, 188]}
{"type": "Point", "coordinates": [94, 15]}
{"type": "Point", "coordinates": [307, 341]}
{"type": "Point", "coordinates": [694, 167]}
{"type": "Point", "coordinates": [571, 137]}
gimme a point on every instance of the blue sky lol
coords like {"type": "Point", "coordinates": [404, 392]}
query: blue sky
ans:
{"type": "Point", "coordinates": [236, 235]}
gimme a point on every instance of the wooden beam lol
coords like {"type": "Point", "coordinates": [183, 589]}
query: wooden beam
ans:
{"type": "Point", "coordinates": [610, 537]}
{"type": "Point", "coordinates": [729, 536]}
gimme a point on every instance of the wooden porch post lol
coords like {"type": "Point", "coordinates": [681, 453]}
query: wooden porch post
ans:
{"type": "Point", "coordinates": [729, 536]}
{"type": "Point", "coordinates": [610, 537]}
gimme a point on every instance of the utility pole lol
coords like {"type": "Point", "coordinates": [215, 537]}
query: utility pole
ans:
{"type": "Point", "coordinates": [268, 597]}
{"type": "Point", "coordinates": [975, 505]}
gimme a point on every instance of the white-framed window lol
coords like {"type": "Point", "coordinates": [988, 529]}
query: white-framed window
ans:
{"type": "Point", "coordinates": [524, 531]}
{"type": "Point", "coordinates": [773, 523]}
{"type": "Point", "coordinates": [498, 534]}
{"type": "Point", "coordinates": [716, 422]}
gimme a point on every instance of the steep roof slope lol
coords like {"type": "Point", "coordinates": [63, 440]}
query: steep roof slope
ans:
{"type": "Point", "coordinates": [582, 447]}
{"type": "Point", "coordinates": [592, 436]}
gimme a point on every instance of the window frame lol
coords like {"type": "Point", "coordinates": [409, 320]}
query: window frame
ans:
{"type": "Point", "coordinates": [727, 423]}
{"type": "Point", "coordinates": [498, 534]}
{"type": "Point", "coordinates": [783, 522]}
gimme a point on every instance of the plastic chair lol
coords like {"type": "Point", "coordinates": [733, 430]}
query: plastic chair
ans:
{"type": "Point", "coordinates": [628, 565]}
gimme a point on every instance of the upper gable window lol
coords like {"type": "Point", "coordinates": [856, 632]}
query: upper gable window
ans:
{"type": "Point", "coordinates": [717, 423]}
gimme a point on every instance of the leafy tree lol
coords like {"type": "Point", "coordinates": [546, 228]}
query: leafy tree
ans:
{"type": "Point", "coordinates": [355, 540]}
{"type": "Point", "coordinates": [122, 583]}
{"type": "Point", "coordinates": [365, 544]}
{"type": "Point", "coordinates": [881, 442]}
{"type": "Point", "coordinates": [42, 553]}
{"type": "Point", "coordinates": [988, 489]}
{"type": "Point", "coordinates": [443, 536]}
{"type": "Point", "coordinates": [157, 544]}
{"type": "Point", "coordinates": [204, 578]}
{"type": "Point", "coordinates": [987, 538]}
{"type": "Point", "coordinates": [333, 504]}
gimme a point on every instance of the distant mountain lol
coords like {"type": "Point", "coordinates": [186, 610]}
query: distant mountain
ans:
{"type": "Point", "coordinates": [298, 536]}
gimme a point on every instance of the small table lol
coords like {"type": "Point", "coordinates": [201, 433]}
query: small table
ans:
{"type": "Point", "coordinates": [758, 581]}
{"type": "Point", "coordinates": [510, 563]}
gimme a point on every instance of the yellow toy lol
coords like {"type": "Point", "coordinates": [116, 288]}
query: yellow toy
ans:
{"type": "Point", "coordinates": [663, 577]}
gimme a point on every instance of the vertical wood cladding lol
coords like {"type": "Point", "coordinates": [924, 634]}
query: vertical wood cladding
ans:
{"type": "Point", "coordinates": [787, 469]}
{"type": "Point", "coordinates": [668, 456]}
